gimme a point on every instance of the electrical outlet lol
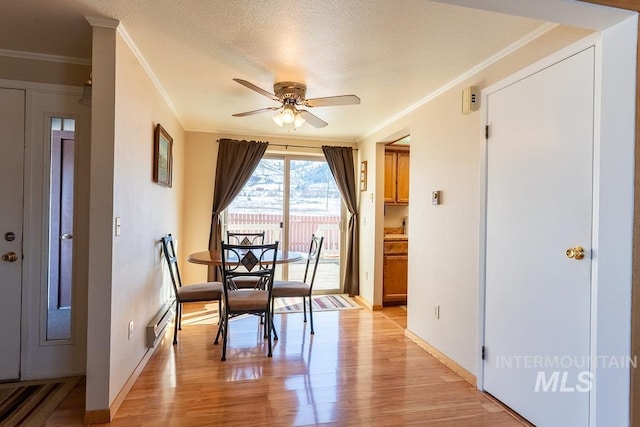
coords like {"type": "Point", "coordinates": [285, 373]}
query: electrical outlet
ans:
{"type": "Point", "coordinates": [130, 329]}
{"type": "Point", "coordinates": [436, 311]}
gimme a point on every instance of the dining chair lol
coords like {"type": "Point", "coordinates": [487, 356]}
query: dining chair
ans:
{"type": "Point", "coordinates": [304, 288]}
{"type": "Point", "coordinates": [245, 239]}
{"type": "Point", "coordinates": [237, 238]}
{"type": "Point", "coordinates": [257, 262]}
{"type": "Point", "coordinates": [199, 292]}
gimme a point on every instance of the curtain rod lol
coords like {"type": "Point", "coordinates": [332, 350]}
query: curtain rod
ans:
{"type": "Point", "coordinates": [300, 146]}
{"type": "Point", "coordinates": [295, 146]}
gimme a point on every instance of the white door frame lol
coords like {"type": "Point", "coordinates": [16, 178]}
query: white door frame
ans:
{"type": "Point", "coordinates": [612, 214]}
{"type": "Point", "coordinates": [40, 358]}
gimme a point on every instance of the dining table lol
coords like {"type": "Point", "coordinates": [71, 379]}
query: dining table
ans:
{"type": "Point", "coordinates": [215, 258]}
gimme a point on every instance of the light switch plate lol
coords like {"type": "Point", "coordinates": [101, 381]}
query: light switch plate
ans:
{"type": "Point", "coordinates": [117, 226]}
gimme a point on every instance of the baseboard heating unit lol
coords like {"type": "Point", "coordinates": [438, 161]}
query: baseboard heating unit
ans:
{"type": "Point", "coordinates": [158, 325]}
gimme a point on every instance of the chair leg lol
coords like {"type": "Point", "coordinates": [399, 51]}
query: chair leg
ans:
{"type": "Point", "coordinates": [268, 323]}
{"type": "Point", "coordinates": [304, 309]}
{"type": "Point", "coordinates": [180, 316]}
{"type": "Point", "coordinates": [224, 337]}
{"type": "Point", "coordinates": [218, 333]}
{"type": "Point", "coordinates": [175, 324]}
{"type": "Point", "coordinates": [273, 326]}
{"type": "Point", "coordinates": [311, 314]}
{"type": "Point", "coordinates": [215, 342]}
{"type": "Point", "coordinates": [220, 323]}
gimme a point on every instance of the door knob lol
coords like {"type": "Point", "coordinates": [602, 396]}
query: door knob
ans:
{"type": "Point", "coordinates": [66, 236]}
{"type": "Point", "coordinates": [10, 257]}
{"type": "Point", "coordinates": [575, 253]}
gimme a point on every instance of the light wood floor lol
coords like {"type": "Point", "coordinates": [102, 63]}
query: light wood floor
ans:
{"type": "Point", "coordinates": [358, 369]}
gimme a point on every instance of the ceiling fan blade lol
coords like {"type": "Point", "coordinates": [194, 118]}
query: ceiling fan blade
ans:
{"type": "Point", "coordinates": [332, 100]}
{"type": "Point", "coordinates": [262, 110]}
{"type": "Point", "coordinates": [314, 121]}
{"type": "Point", "coordinates": [257, 89]}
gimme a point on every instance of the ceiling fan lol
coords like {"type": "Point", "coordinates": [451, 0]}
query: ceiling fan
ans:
{"type": "Point", "coordinates": [291, 95]}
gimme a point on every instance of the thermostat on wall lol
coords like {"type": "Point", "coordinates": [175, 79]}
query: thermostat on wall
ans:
{"type": "Point", "coordinates": [470, 100]}
{"type": "Point", "coordinates": [435, 197]}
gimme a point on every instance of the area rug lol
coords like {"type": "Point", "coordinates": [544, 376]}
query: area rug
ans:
{"type": "Point", "coordinates": [30, 403]}
{"type": "Point", "coordinates": [320, 303]}
{"type": "Point", "coordinates": [198, 313]}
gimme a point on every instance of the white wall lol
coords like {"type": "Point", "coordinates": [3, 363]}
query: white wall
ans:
{"type": "Point", "coordinates": [147, 210]}
{"type": "Point", "coordinates": [101, 210]}
{"type": "Point", "coordinates": [126, 281]}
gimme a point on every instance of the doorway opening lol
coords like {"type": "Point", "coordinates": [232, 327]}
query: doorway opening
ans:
{"type": "Point", "coordinates": [291, 198]}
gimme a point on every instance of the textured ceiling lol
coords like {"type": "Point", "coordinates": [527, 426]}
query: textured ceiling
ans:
{"type": "Point", "coordinates": [391, 54]}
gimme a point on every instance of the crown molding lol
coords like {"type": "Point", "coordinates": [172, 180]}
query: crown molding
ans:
{"type": "Point", "coordinates": [35, 56]}
{"type": "Point", "coordinates": [538, 32]}
{"type": "Point", "coordinates": [102, 22]}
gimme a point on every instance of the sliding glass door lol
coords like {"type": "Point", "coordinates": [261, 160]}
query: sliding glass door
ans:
{"type": "Point", "coordinates": [291, 198]}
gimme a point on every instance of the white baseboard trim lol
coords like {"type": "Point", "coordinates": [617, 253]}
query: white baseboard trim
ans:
{"type": "Point", "coordinates": [442, 358]}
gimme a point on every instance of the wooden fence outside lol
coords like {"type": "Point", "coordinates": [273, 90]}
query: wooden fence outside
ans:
{"type": "Point", "coordinates": [301, 227]}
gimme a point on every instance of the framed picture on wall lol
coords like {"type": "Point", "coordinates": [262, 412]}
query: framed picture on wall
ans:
{"type": "Point", "coordinates": [363, 175]}
{"type": "Point", "coordinates": [162, 156]}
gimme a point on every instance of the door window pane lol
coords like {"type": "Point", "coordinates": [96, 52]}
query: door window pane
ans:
{"type": "Point", "coordinates": [259, 206]}
{"type": "Point", "coordinates": [60, 284]}
{"type": "Point", "coordinates": [314, 208]}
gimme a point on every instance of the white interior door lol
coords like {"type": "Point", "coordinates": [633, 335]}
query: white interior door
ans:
{"type": "Point", "coordinates": [539, 204]}
{"type": "Point", "coordinates": [11, 196]}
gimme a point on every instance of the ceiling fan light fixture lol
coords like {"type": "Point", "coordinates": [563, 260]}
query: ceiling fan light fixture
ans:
{"type": "Point", "coordinates": [291, 95]}
{"type": "Point", "coordinates": [288, 114]}
{"type": "Point", "coordinates": [277, 119]}
{"type": "Point", "coordinates": [299, 121]}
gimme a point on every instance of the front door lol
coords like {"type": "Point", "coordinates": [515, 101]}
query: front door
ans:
{"type": "Point", "coordinates": [539, 206]}
{"type": "Point", "coordinates": [11, 216]}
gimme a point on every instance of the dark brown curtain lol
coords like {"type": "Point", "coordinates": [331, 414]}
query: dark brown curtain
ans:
{"type": "Point", "coordinates": [340, 161]}
{"type": "Point", "coordinates": [236, 162]}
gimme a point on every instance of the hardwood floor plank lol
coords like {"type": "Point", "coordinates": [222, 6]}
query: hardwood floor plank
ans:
{"type": "Point", "coordinates": [358, 369]}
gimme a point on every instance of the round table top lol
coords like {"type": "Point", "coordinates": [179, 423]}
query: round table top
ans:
{"type": "Point", "coordinates": [214, 258]}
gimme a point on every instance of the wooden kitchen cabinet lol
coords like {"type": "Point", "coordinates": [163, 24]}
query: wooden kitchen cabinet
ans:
{"type": "Point", "coordinates": [396, 177]}
{"type": "Point", "coordinates": [394, 272]}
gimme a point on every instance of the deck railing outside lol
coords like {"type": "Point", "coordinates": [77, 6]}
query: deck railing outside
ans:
{"type": "Point", "coordinates": [301, 227]}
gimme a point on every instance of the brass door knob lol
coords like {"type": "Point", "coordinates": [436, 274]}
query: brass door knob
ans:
{"type": "Point", "coordinates": [10, 257]}
{"type": "Point", "coordinates": [575, 253]}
